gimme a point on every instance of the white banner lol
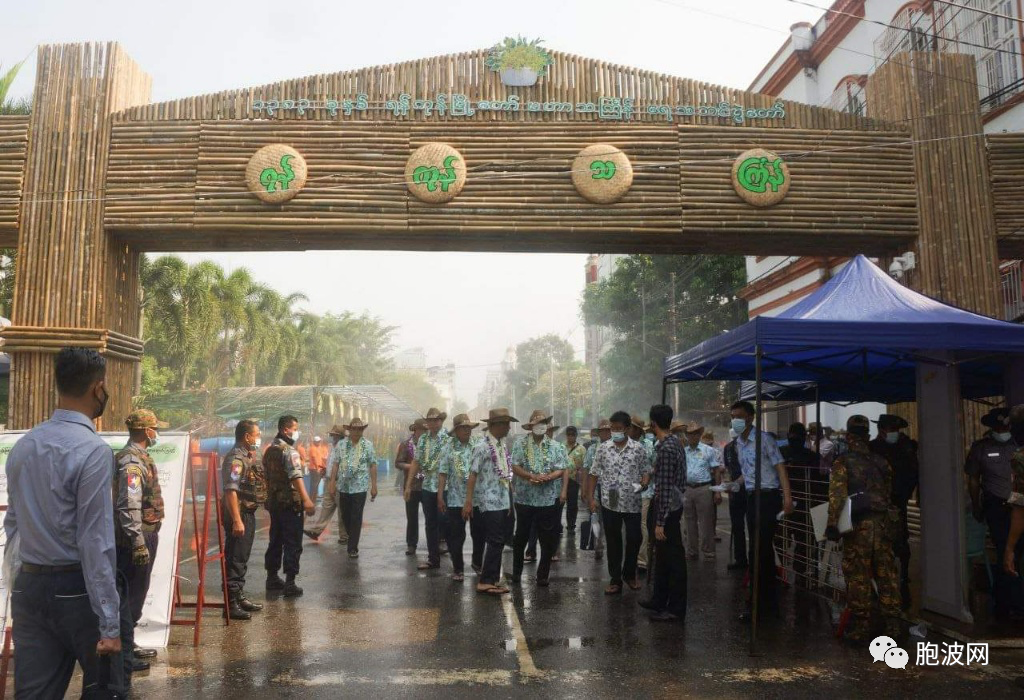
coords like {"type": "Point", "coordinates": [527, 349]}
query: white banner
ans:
{"type": "Point", "coordinates": [171, 458]}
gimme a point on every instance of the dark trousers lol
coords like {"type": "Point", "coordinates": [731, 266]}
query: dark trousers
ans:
{"type": "Point", "coordinates": [352, 505]}
{"type": "Point", "coordinates": [493, 522]}
{"type": "Point", "coordinates": [901, 542]}
{"type": "Point", "coordinates": [619, 566]}
{"type": "Point", "coordinates": [237, 551]}
{"type": "Point", "coordinates": [572, 504]}
{"type": "Point", "coordinates": [431, 525]}
{"type": "Point", "coordinates": [669, 564]}
{"type": "Point", "coordinates": [285, 542]}
{"type": "Point", "coordinates": [455, 536]}
{"type": "Point", "coordinates": [54, 627]}
{"type": "Point", "coordinates": [412, 520]}
{"type": "Point", "coordinates": [137, 577]}
{"type": "Point", "coordinates": [768, 585]}
{"type": "Point", "coordinates": [1008, 593]}
{"type": "Point", "coordinates": [738, 516]}
{"type": "Point", "coordinates": [546, 520]}
{"type": "Point", "coordinates": [509, 528]}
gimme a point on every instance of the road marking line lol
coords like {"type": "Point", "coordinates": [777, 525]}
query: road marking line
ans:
{"type": "Point", "coordinates": [523, 655]}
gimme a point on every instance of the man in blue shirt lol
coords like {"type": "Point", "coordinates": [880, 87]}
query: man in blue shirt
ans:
{"type": "Point", "coordinates": [65, 603]}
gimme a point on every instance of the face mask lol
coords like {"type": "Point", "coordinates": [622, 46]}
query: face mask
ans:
{"type": "Point", "coordinates": [618, 437]}
{"type": "Point", "coordinates": [540, 429]}
{"type": "Point", "coordinates": [1002, 437]}
{"type": "Point", "coordinates": [256, 444]}
{"type": "Point", "coordinates": [739, 425]}
{"type": "Point", "coordinates": [892, 438]}
{"type": "Point", "coordinates": [295, 435]}
{"type": "Point", "coordinates": [155, 440]}
{"type": "Point", "coordinates": [103, 403]}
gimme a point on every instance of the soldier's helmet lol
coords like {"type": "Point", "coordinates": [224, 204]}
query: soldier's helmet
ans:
{"type": "Point", "coordinates": [143, 418]}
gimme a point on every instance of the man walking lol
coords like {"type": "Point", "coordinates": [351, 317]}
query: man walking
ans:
{"type": "Point", "coordinates": [900, 451]}
{"type": "Point", "coordinates": [575, 454]}
{"type": "Point", "coordinates": [700, 501]}
{"type": "Point", "coordinates": [355, 463]}
{"type": "Point", "coordinates": [318, 453]}
{"type": "Point", "coordinates": [404, 460]}
{"type": "Point", "coordinates": [244, 489]}
{"type": "Point", "coordinates": [638, 431]}
{"type": "Point", "coordinates": [65, 604]}
{"type": "Point", "coordinates": [451, 495]}
{"type": "Point", "coordinates": [487, 496]}
{"type": "Point", "coordinates": [322, 517]}
{"type": "Point", "coordinates": [139, 514]}
{"type": "Point", "coordinates": [587, 540]}
{"type": "Point", "coordinates": [427, 462]}
{"type": "Point", "coordinates": [668, 602]}
{"type": "Point", "coordinates": [286, 501]}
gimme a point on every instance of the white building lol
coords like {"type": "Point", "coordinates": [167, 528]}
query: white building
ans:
{"type": "Point", "coordinates": [830, 63]}
{"type": "Point", "coordinates": [441, 377]}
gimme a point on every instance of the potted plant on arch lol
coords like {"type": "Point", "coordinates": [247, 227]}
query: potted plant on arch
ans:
{"type": "Point", "coordinates": [518, 61]}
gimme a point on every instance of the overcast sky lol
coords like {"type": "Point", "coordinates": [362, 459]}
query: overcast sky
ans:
{"type": "Point", "coordinates": [438, 301]}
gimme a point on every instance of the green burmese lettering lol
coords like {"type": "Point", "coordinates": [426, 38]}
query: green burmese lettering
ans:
{"type": "Point", "coordinates": [432, 177]}
{"type": "Point", "coordinates": [271, 178]}
{"type": "Point", "coordinates": [757, 175]}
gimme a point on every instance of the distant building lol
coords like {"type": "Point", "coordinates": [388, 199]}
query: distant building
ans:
{"type": "Point", "coordinates": [441, 377]}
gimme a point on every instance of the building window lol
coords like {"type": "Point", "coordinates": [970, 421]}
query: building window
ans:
{"type": "Point", "coordinates": [849, 96]}
{"type": "Point", "coordinates": [911, 30]}
{"type": "Point", "coordinates": [994, 42]}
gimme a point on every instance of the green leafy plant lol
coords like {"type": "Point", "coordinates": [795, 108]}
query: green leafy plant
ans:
{"type": "Point", "coordinates": [519, 53]}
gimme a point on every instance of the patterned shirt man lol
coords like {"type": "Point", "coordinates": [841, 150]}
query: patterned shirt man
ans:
{"type": "Point", "coordinates": [492, 464]}
{"type": "Point", "coordinates": [428, 455]}
{"type": "Point", "coordinates": [542, 458]}
{"type": "Point", "coordinates": [617, 469]}
{"type": "Point", "coordinates": [574, 460]}
{"type": "Point", "coordinates": [353, 463]}
{"type": "Point", "coordinates": [456, 461]}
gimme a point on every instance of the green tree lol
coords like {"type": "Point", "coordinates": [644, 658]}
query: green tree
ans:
{"type": "Point", "coordinates": [7, 105]}
{"type": "Point", "coordinates": [534, 359]}
{"type": "Point", "coordinates": [572, 382]}
{"type": "Point", "coordinates": [634, 301]}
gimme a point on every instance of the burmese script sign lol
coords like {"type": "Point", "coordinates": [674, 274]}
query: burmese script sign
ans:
{"type": "Point", "coordinates": [608, 108]}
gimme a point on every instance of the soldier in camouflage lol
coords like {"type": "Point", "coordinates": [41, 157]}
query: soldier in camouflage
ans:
{"type": "Point", "coordinates": [138, 514]}
{"type": "Point", "coordinates": [868, 548]}
{"type": "Point", "coordinates": [244, 490]}
{"type": "Point", "coordinates": [286, 501]}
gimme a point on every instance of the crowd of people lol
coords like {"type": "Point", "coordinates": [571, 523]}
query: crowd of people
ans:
{"type": "Point", "coordinates": [83, 524]}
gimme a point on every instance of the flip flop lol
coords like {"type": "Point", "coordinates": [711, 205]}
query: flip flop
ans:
{"type": "Point", "coordinates": [492, 590]}
{"type": "Point", "coordinates": [613, 590]}
{"type": "Point", "coordinates": [426, 566]}
{"type": "Point", "coordinates": [634, 584]}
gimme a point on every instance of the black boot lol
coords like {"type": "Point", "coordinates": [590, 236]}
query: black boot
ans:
{"type": "Point", "coordinates": [235, 610]}
{"type": "Point", "coordinates": [247, 605]}
{"type": "Point", "coordinates": [290, 589]}
{"type": "Point", "coordinates": [905, 598]}
{"type": "Point", "coordinates": [274, 582]}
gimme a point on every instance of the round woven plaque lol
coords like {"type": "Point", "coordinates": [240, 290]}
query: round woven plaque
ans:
{"type": "Point", "coordinates": [435, 173]}
{"type": "Point", "coordinates": [276, 173]}
{"type": "Point", "coordinates": [760, 177]}
{"type": "Point", "coordinates": [602, 173]}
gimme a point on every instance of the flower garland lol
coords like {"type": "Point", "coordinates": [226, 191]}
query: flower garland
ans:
{"type": "Point", "coordinates": [504, 474]}
{"type": "Point", "coordinates": [429, 463]}
{"type": "Point", "coordinates": [348, 455]}
{"type": "Point", "coordinates": [530, 451]}
{"type": "Point", "coordinates": [458, 462]}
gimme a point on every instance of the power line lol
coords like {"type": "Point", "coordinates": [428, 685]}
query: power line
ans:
{"type": "Point", "coordinates": [981, 11]}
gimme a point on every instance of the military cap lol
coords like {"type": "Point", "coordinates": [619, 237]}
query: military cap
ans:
{"type": "Point", "coordinates": [143, 418]}
{"type": "Point", "coordinates": [997, 418]}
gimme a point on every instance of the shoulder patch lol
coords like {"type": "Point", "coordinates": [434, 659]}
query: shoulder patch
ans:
{"type": "Point", "coordinates": [133, 479]}
{"type": "Point", "coordinates": [237, 466]}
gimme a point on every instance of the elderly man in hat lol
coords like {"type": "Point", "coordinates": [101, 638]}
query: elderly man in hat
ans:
{"type": "Point", "coordinates": [425, 466]}
{"type": "Point", "coordinates": [539, 467]}
{"type": "Point", "coordinates": [451, 494]}
{"type": "Point", "coordinates": [139, 512]}
{"type": "Point", "coordinates": [404, 459]}
{"type": "Point", "coordinates": [488, 498]}
{"type": "Point", "coordinates": [699, 500]}
{"type": "Point", "coordinates": [322, 518]}
{"type": "Point", "coordinates": [531, 545]}
{"type": "Point", "coordinates": [355, 463]}
{"type": "Point", "coordinates": [901, 453]}
{"type": "Point", "coordinates": [990, 479]}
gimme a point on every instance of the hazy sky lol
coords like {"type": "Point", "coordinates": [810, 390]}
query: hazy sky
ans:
{"type": "Point", "coordinates": [439, 301]}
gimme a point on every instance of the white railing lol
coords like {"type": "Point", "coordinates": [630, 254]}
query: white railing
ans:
{"type": "Point", "coordinates": [1012, 282]}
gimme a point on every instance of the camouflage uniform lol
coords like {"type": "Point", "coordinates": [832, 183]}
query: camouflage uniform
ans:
{"type": "Point", "coordinates": [282, 465]}
{"type": "Point", "coordinates": [868, 547]}
{"type": "Point", "coordinates": [903, 458]}
{"type": "Point", "coordinates": [242, 473]}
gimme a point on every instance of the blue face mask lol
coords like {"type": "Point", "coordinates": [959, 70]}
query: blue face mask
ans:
{"type": "Point", "coordinates": [739, 425]}
{"type": "Point", "coordinates": [892, 438]}
{"type": "Point", "coordinates": [618, 437]}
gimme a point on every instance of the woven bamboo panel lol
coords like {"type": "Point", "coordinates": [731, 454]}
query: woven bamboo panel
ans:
{"type": "Point", "coordinates": [1006, 164]}
{"type": "Point", "coordinates": [13, 144]}
{"type": "Point", "coordinates": [840, 190]}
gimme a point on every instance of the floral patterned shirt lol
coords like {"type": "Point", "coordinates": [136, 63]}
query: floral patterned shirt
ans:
{"type": "Point", "coordinates": [649, 443]}
{"type": "Point", "coordinates": [617, 470]}
{"type": "Point", "coordinates": [353, 463]}
{"type": "Point", "coordinates": [456, 460]}
{"type": "Point", "coordinates": [492, 479]}
{"type": "Point", "coordinates": [544, 458]}
{"type": "Point", "coordinates": [428, 455]}
{"type": "Point", "coordinates": [574, 459]}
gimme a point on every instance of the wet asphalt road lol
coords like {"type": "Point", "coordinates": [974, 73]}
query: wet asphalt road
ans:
{"type": "Point", "coordinates": [376, 626]}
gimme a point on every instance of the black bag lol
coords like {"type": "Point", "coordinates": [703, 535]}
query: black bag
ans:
{"type": "Point", "coordinates": [860, 505]}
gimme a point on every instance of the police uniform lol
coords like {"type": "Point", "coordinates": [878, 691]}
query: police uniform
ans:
{"type": "Point", "coordinates": [282, 465]}
{"type": "Point", "coordinates": [138, 514]}
{"type": "Point", "coordinates": [867, 548]}
{"type": "Point", "coordinates": [242, 473]}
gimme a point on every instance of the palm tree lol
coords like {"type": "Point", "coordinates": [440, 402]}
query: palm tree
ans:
{"type": "Point", "coordinates": [22, 106]}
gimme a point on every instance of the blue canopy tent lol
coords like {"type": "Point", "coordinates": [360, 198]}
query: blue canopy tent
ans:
{"type": "Point", "coordinates": [862, 337]}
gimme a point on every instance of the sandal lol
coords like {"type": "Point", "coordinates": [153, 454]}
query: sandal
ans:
{"type": "Point", "coordinates": [458, 577]}
{"type": "Point", "coordinates": [634, 584]}
{"type": "Point", "coordinates": [492, 590]}
{"type": "Point", "coordinates": [427, 565]}
{"type": "Point", "coordinates": [529, 560]}
{"type": "Point", "coordinates": [613, 590]}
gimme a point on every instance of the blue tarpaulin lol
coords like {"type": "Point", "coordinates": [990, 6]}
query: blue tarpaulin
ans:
{"type": "Point", "coordinates": [857, 338]}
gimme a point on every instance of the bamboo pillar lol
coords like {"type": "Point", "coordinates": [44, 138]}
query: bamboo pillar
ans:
{"type": "Point", "coordinates": [75, 285]}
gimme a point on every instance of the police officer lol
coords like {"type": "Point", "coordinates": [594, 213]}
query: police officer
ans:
{"type": "Point", "coordinates": [990, 477]}
{"type": "Point", "coordinates": [244, 489]}
{"type": "Point", "coordinates": [286, 501]}
{"type": "Point", "coordinates": [866, 478]}
{"type": "Point", "coordinates": [138, 514]}
{"type": "Point", "coordinates": [901, 453]}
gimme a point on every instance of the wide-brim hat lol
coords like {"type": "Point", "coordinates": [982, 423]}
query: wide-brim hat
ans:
{"type": "Point", "coordinates": [143, 418]}
{"type": "Point", "coordinates": [604, 424]}
{"type": "Point", "coordinates": [418, 424]}
{"type": "Point", "coordinates": [537, 417]}
{"type": "Point", "coordinates": [435, 413]}
{"type": "Point", "coordinates": [463, 421]}
{"type": "Point", "coordinates": [355, 424]}
{"type": "Point", "coordinates": [677, 426]}
{"type": "Point", "coordinates": [888, 421]}
{"type": "Point", "coordinates": [694, 427]}
{"type": "Point", "coordinates": [337, 430]}
{"type": "Point", "coordinates": [638, 422]}
{"type": "Point", "coordinates": [554, 427]}
{"type": "Point", "coordinates": [499, 415]}
{"type": "Point", "coordinates": [997, 418]}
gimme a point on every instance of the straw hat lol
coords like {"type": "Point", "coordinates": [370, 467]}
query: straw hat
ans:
{"type": "Point", "coordinates": [694, 427]}
{"type": "Point", "coordinates": [535, 418]}
{"type": "Point", "coordinates": [356, 424]}
{"type": "Point", "coordinates": [499, 415]}
{"type": "Point", "coordinates": [638, 422]}
{"type": "Point", "coordinates": [677, 426]}
{"type": "Point", "coordinates": [554, 427]}
{"type": "Point", "coordinates": [463, 421]}
{"type": "Point", "coordinates": [604, 424]}
{"type": "Point", "coordinates": [418, 424]}
{"type": "Point", "coordinates": [338, 430]}
{"type": "Point", "coordinates": [435, 413]}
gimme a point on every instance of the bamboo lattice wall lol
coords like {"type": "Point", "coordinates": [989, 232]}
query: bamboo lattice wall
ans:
{"type": "Point", "coordinates": [13, 144]}
{"type": "Point", "coordinates": [1006, 162]}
